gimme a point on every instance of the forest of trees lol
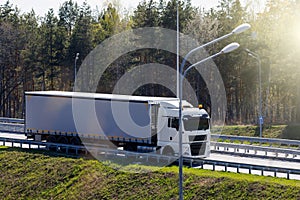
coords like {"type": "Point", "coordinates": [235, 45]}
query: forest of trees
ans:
{"type": "Point", "coordinates": [38, 52]}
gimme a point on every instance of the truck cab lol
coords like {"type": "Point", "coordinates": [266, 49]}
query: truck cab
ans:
{"type": "Point", "coordinates": [195, 130]}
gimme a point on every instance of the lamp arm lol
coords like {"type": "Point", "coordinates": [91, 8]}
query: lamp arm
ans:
{"type": "Point", "coordinates": [201, 61]}
{"type": "Point", "coordinates": [200, 47]}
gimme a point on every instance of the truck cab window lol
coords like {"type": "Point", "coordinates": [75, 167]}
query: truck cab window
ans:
{"type": "Point", "coordinates": [195, 123]}
{"type": "Point", "coordinates": [173, 123]}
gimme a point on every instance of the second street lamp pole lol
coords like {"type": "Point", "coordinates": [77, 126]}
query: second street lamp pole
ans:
{"type": "Point", "coordinates": [260, 118]}
{"type": "Point", "coordinates": [229, 48]}
{"type": "Point", "coordinates": [75, 68]}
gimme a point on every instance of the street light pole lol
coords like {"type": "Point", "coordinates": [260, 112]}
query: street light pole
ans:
{"type": "Point", "coordinates": [260, 118]}
{"type": "Point", "coordinates": [227, 49]}
{"type": "Point", "coordinates": [239, 29]}
{"type": "Point", "coordinates": [177, 49]}
{"type": "Point", "coordinates": [75, 68]}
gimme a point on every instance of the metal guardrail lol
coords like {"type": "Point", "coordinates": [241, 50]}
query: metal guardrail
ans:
{"type": "Point", "coordinates": [80, 150]}
{"type": "Point", "coordinates": [252, 140]}
{"type": "Point", "coordinates": [249, 167]}
{"type": "Point", "coordinates": [244, 150]}
{"type": "Point", "coordinates": [109, 152]}
{"type": "Point", "coordinates": [9, 125]}
{"type": "Point", "coordinates": [11, 120]}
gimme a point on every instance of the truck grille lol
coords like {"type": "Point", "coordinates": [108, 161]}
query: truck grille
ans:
{"type": "Point", "coordinates": [198, 149]}
{"type": "Point", "coordinates": [196, 138]}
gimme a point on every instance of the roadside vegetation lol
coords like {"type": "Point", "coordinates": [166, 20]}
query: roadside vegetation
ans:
{"type": "Point", "coordinates": [40, 175]}
{"type": "Point", "coordinates": [269, 131]}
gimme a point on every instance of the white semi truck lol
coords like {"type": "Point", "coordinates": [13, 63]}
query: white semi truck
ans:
{"type": "Point", "coordinates": [134, 123]}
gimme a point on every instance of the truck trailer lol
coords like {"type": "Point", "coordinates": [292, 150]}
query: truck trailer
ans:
{"type": "Point", "coordinates": [134, 123]}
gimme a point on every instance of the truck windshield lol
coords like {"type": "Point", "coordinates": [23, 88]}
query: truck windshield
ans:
{"type": "Point", "coordinates": [196, 123]}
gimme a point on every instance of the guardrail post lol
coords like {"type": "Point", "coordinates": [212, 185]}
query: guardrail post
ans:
{"type": "Point", "coordinates": [250, 168]}
{"type": "Point", "coordinates": [201, 165]}
{"type": "Point", "coordinates": [275, 173]}
{"type": "Point", "coordinates": [226, 167]}
{"type": "Point", "coordinates": [262, 171]}
{"type": "Point", "coordinates": [214, 166]}
{"type": "Point", "coordinates": [288, 174]}
{"type": "Point", "coordinates": [238, 169]}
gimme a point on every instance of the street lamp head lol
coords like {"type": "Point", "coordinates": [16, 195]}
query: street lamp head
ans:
{"type": "Point", "coordinates": [241, 28]}
{"type": "Point", "coordinates": [252, 54]}
{"type": "Point", "coordinates": [230, 47]}
{"type": "Point", "coordinates": [77, 56]}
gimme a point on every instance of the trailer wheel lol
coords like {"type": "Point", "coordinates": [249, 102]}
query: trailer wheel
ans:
{"type": "Point", "coordinates": [168, 151]}
{"type": "Point", "coordinates": [75, 141]}
{"type": "Point", "coordinates": [51, 139]}
{"type": "Point", "coordinates": [63, 140]}
{"type": "Point", "coordinates": [130, 147]}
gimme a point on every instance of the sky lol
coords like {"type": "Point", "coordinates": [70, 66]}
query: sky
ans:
{"type": "Point", "coordinates": [41, 7]}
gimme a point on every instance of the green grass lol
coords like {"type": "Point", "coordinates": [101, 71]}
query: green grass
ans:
{"type": "Point", "coordinates": [274, 131]}
{"type": "Point", "coordinates": [290, 131]}
{"type": "Point", "coordinates": [40, 175]}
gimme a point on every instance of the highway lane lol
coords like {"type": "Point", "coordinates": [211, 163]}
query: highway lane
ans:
{"type": "Point", "coordinates": [255, 161]}
{"type": "Point", "coordinates": [16, 136]}
{"type": "Point", "coordinates": [290, 154]}
{"type": "Point", "coordinates": [12, 135]}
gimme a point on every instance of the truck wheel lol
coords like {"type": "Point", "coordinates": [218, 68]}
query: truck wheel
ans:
{"type": "Point", "coordinates": [168, 151]}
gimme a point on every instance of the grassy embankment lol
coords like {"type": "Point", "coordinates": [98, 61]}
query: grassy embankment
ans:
{"type": "Point", "coordinates": [274, 131]}
{"type": "Point", "coordinates": [40, 175]}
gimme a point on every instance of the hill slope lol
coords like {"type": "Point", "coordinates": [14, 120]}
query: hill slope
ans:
{"type": "Point", "coordinates": [38, 175]}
